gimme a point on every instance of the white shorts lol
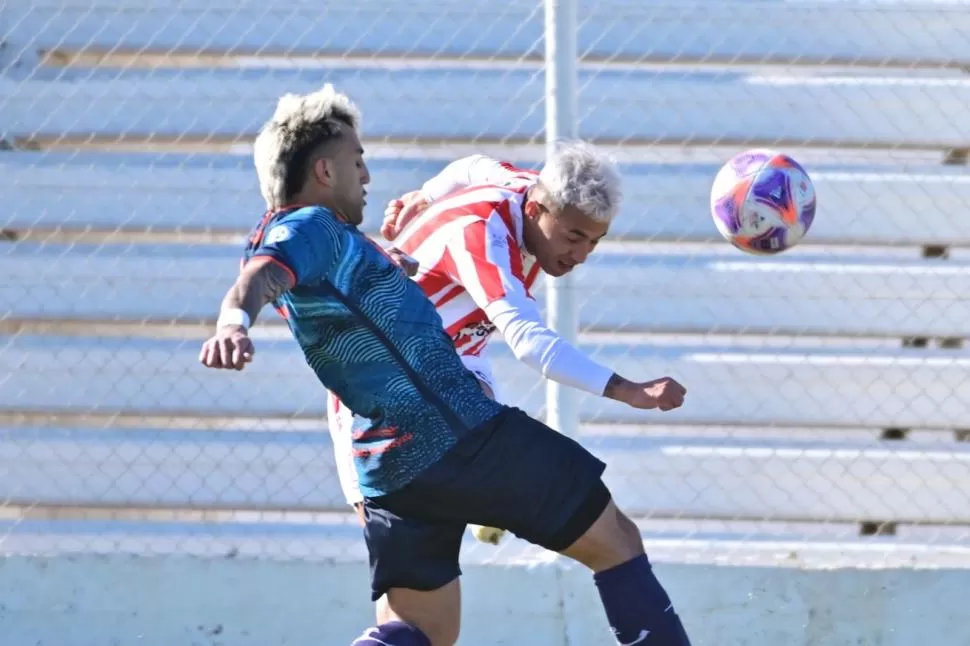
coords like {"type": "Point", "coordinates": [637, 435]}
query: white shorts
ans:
{"type": "Point", "coordinates": [342, 422]}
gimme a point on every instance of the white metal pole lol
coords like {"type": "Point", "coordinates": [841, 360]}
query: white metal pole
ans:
{"type": "Point", "coordinates": [561, 88]}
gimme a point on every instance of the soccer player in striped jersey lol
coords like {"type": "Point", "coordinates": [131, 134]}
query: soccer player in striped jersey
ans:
{"type": "Point", "coordinates": [428, 459]}
{"type": "Point", "coordinates": [482, 232]}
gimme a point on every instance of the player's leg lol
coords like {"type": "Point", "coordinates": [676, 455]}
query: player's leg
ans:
{"type": "Point", "coordinates": [415, 574]}
{"type": "Point", "coordinates": [437, 613]}
{"type": "Point", "coordinates": [480, 367]}
{"type": "Point", "coordinates": [445, 602]}
{"type": "Point", "coordinates": [609, 543]}
{"type": "Point", "coordinates": [341, 422]}
{"type": "Point", "coordinates": [545, 488]}
{"type": "Point", "coordinates": [636, 604]}
{"type": "Point", "coordinates": [393, 633]}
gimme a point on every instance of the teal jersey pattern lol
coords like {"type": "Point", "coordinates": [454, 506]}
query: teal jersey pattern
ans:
{"type": "Point", "coordinates": [375, 340]}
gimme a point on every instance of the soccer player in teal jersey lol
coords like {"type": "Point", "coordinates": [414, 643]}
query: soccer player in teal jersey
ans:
{"type": "Point", "coordinates": [439, 453]}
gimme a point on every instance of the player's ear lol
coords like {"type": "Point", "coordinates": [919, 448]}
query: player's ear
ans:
{"type": "Point", "coordinates": [323, 171]}
{"type": "Point", "coordinates": [532, 209]}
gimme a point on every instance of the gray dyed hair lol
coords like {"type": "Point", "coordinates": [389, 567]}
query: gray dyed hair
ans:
{"type": "Point", "coordinates": [579, 175]}
{"type": "Point", "coordinates": [298, 127]}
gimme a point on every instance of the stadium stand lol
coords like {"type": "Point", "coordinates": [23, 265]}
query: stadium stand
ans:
{"type": "Point", "coordinates": [828, 395]}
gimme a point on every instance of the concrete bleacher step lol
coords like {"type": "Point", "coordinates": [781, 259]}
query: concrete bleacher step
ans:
{"type": "Point", "coordinates": [660, 477]}
{"type": "Point", "coordinates": [819, 480]}
{"type": "Point", "coordinates": [850, 31]}
{"type": "Point", "coordinates": [663, 202]}
{"type": "Point", "coordinates": [222, 80]}
{"type": "Point", "coordinates": [679, 107]}
{"type": "Point", "coordinates": [336, 540]}
{"type": "Point", "coordinates": [687, 291]}
{"type": "Point", "coordinates": [728, 385]}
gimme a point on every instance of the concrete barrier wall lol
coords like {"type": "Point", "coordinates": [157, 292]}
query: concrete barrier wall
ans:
{"type": "Point", "coordinates": [118, 600]}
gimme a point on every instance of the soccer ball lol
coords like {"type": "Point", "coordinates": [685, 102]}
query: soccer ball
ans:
{"type": "Point", "coordinates": [763, 202]}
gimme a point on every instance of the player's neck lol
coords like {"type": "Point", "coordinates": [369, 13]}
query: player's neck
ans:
{"type": "Point", "coordinates": [529, 231]}
{"type": "Point", "coordinates": [528, 224]}
{"type": "Point", "coordinates": [318, 198]}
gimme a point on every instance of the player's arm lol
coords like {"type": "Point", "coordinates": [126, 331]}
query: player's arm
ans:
{"type": "Point", "coordinates": [340, 421]}
{"type": "Point", "coordinates": [261, 281]}
{"type": "Point", "coordinates": [461, 173]}
{"type": "Point", "coordinates": [487, 263]}
{"type": "Point", "coordinates": [299, 250]}
{"type": "Point", "coordinates": [465, 172]}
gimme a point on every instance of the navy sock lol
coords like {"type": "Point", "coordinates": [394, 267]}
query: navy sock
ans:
{"type": "Point", "coordinates": [637, 606]}
{"type": "Point", "coordinates": [393, 633]}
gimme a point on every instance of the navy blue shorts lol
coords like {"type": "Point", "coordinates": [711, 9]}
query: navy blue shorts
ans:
{"type": "Point", "coordinates": [514, 473]}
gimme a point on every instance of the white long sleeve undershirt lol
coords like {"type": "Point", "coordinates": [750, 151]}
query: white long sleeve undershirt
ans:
{"type": "Point", "coordinates": [540, 347]}
{"type": "Point", "coordinates": [467, 171]}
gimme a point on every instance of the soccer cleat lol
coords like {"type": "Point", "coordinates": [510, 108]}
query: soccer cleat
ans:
{"type": "Point", "coordinates": [491, 535]}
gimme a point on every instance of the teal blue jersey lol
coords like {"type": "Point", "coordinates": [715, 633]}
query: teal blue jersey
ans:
{"type": "Point", "coordinates": [375, 340]}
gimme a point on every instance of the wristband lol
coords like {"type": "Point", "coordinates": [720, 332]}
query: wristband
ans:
{"type": "Point", "coordinates": [233, 316]}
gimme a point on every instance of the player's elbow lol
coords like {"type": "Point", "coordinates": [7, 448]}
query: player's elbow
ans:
{"type": "Point", "coordinates": [535, 349]}
{"type": "Point", "coordinates": [530, 340]}
{"type": "Point", "coordinates": [261, 281]}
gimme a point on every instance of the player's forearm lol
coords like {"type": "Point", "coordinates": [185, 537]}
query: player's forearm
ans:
{"type": "Point", "coordinates": [542, 348]}
{"type": "Point", "coordinates": [455, 175]}
{"type": "Point", "coordinates": [618, 388]}
{"type": "Point", "coordinates": [462, 173]}
{"type": "Point", "coordinates": [260, 282]}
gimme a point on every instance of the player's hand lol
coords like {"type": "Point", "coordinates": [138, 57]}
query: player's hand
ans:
{"type": "Point", "coordinates": [404, 261]}
{"type": "Point", "coordinates": [230, 348]}
{"type": "Point", "coordinates": [664, 393]}
{"type": "Point", "coordinates": [490, 535]}
{"type": "Point", "coordinates": [359, 511]}
{"type": "Point", "coordinates": [401, 211]}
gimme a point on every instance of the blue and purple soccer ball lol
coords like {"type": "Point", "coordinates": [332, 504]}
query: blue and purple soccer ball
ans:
{"type": "Point", "coordinates": [763, 202]}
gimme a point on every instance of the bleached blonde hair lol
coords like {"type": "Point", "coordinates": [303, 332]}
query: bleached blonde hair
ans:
{"type": "Point", "coordinates": [300, 125]}
{"type": "Point", "coordinates": [579, 175]}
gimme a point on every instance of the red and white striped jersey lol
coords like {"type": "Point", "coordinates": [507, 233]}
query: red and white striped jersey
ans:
{"type": "Point", "coordinates": [474, 267]}
{"type": "Point", "coordinates": [471, 253]}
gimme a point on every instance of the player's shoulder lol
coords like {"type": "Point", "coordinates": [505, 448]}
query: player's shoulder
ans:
{"type": "Point", "coordinates": [492, 207]}
{"type": "Point", "coordinates": [310, 212]}
{"type": "Point", "coordinates": [292, 220]}
{"type": "Point", "coordinates": [480, 196]}
{"type": "Point", "coordinates": [522, 173]}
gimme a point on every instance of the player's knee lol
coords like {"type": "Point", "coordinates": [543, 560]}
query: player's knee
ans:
{"type": "Point", "coordinates": [487, 389]}
{"type": "Point", "coordinates": [611, 540]}
{"type": "Point", "coordinates": [631, 532]}
{"type": "Point", "coordinates": [382, 611]}
{"type": "Point", "coordinates": [437, 613]}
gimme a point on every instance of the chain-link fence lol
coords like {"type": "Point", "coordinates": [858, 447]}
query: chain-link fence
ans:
{"type": "Point", "coordinates": [827, 389]}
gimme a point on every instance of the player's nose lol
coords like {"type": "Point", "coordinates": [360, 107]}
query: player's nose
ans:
{"type": "Point", "coordinates": [579, 254]}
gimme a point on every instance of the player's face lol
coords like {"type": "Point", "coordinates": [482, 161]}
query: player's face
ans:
{"type": "Point", "coordinates": [350, 176]}
{"type": "Point", "coordinates": [564, 239]}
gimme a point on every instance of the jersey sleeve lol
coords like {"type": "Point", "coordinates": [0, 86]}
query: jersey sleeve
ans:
{"type": "Point", "coordinates": [306, 242]}
{"type": "Point", "coordinates": [469, 171]}
{"type": "Point", "coordinates": [487, 262]}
